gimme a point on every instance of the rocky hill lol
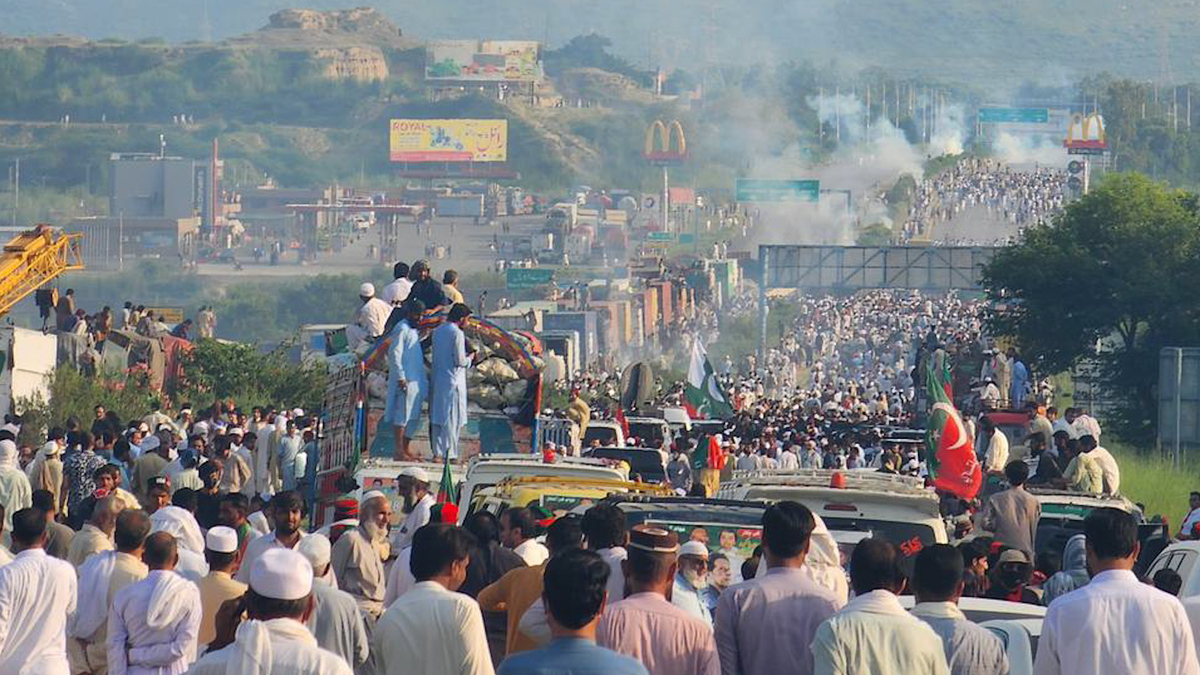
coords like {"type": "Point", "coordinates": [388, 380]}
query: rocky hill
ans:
{"type": "Point", "coordinates": [970, 41]}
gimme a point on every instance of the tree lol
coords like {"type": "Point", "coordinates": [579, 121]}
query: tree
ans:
{"type": "Point", "coordinates": [1115, 269]}
{"type": "Point", "coordinates": [215, 370]}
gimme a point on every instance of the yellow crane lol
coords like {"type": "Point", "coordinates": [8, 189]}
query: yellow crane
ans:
{"type": "Point", "coordinates": [33, 258]}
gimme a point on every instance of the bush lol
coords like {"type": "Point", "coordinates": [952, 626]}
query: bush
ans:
{"type": "Point", "coordinates": [216, 370]}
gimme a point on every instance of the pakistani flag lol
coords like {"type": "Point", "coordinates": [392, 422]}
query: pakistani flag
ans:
{"type": "Point", "coordinates": [446, 492]}
{"type": "Point", "coordinates": [950, 452]}
{"type": "Point", "coordinates": [703, 390]}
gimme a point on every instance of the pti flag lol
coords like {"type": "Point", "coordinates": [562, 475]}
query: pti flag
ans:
{"type": "Point", "coordinates": [949, 450]}
{"type": "Point", "coordinates": [703, 391]}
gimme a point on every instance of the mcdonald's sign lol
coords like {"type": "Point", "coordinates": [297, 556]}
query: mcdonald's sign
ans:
{"type": "Point", "coordinates": [1082, 138]}
{"type": "Point", "coordinates": [660, 147]}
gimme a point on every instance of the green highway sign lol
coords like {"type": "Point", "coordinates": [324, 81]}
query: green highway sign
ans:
{"type": "Point", "coordinates": [661, 236]}
{"type": "Point", "coordinates": [1014, 115]}
{"type": "Point", "coordinates": [528, 277]}
{"type": "Point", "coordinates": [687, 238]}
{"type": "Point", "coordinates": [748, 190]}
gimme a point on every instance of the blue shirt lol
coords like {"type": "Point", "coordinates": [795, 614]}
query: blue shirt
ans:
{"type": "Point", "coordinates": [571, 656]}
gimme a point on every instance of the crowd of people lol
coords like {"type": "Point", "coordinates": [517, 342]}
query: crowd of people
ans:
{"type": "Point", "coordinates": [188, 574]}
{"type": "Point", "coordinates": [1014, 196]}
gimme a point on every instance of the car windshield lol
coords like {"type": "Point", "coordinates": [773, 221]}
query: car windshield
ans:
{"type": "Point", "coordinates": [649, 433]}
{"type": "Point", "coordinates": [606, 435]}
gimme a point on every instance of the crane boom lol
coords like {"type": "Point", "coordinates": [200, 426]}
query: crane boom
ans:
{"type": "Point", "coordinates": [33, 258]}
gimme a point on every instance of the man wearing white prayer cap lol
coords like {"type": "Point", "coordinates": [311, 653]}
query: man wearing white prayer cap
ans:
{"type": "Point", "coordinates": [336, 621]}
{"type": "Point", "coordinates": [153, 623]}
{"type": "Point", "coordinates": [222, 554]}
{"type": "Point", "coordinates": [358, 556]}
{"type": "Point", "coordinates": [413, 486]}
{"type": "Point", "coordinates": [275, 641]}
{"type": "Point", "coordinates": [372, 316]}
{"type": "Point", "coordinates": [691, 578]}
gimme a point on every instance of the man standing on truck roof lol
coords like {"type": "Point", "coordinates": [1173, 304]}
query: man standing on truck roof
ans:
{"type": "Point", "coordinates": [408, 380]}
{"type": "Point", "coordinates": [448, 406]}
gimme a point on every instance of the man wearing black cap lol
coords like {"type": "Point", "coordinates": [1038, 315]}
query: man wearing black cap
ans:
{"type": "Point", "coordinates": [408, 380]}
{"type": "Point", "coordinates": [448, 407]}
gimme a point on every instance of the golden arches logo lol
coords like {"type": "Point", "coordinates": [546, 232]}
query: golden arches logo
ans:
{"type": "Point", "coordinates": [1086, 138]}
{"type": "Point", "coordinates": [659, 146]}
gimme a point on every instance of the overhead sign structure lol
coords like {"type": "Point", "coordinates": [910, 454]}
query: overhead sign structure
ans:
{"type": "Point", "coordinates": [665, 143]}
{"type": "Point", "coordinates": [1014, 115]}
{"type": "Point", "coordinates": [517, 278]}
{"type": "Point", "coordinates": [1086, 135]}
{"type": "Point", "coordinates": [751, 190]}
{"type": "Point", "coordinates": [486, 61]}
{"type": "Point", "coordinates": [448, 140]}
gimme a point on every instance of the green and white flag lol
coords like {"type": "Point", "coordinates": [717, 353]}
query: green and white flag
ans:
{"type": "Point", "coordinates": [703, 390]}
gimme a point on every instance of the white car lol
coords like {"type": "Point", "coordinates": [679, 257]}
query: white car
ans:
{"type": "Point", "coordinates": [893, 507]}
{"type": "Point", "coordinates": [1181, 557]}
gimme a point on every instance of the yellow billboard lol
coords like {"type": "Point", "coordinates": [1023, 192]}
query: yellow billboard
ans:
{"type": "Point", "coordinates": [448, 140]}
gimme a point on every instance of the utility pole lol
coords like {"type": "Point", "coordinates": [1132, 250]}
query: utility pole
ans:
{"type": "Point", "coordinates": [16, 191]}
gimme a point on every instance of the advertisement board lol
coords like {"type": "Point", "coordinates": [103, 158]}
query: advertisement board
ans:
{"type": "Point", "coordinates": [448, 140]}
{"type": "Point", "coordinates": [486, 61]}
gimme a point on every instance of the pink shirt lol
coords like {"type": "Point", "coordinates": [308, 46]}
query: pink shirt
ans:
{"type": "Point", "coordinates": [665, 638]}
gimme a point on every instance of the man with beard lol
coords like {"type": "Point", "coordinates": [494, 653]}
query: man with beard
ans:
{"type": "Point", "coordinates": [413, 487]}
{"type": "Point", "coordinates": [448, 405]}
{"type": "Point", "coordinates": [286, 509]}
{"type": "Point", "coordinates": [357, 557]}
{"type": "Point", "coordinates": [690, 581]}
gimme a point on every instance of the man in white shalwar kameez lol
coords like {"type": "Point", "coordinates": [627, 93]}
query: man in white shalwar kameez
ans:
{"type": "Point", "coordinates": [154, 623]}
{"type": "Point", "coordinates": [408, 380]}
{"type": "Point", "coordinates": [873, 633]}
{"type": "Point", "coordinates": [448, 407]}
{"type": "Point", "coordinates": [275, 641]}
{"type": "Point", "coordinates": [37, 593]}
{"type": "Point", "coordinates": [432, 628]}
{"type": "Point", "coordinates": [15, 491]}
